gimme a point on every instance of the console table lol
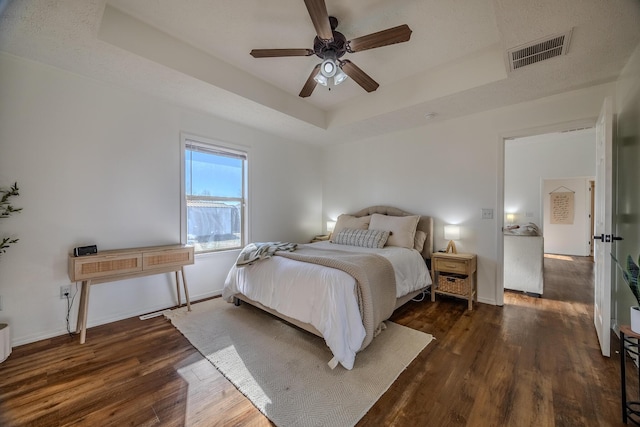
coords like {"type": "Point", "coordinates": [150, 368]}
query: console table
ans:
{"type": "Point", "coordinates": [120, 264]}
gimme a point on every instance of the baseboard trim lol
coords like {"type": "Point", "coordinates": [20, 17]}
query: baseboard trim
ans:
{"type": "Point", "coordinates": [28, 339]}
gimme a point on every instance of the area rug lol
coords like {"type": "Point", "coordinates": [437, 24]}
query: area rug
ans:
{"type": "Point", "coordinates": [283, 370]}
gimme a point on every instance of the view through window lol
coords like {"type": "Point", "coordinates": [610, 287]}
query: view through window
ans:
{"type": "Point", "coordinates": [215, 196]}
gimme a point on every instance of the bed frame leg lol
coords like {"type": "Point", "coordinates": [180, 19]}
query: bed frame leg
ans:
{"type": "Point", "coordinates": [236, 302]}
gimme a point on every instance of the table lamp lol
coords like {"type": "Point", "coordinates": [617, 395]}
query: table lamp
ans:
{"type": "Point", "coordinates": [330, 226]}
{"type": "Point", "coordinates": [451, 233]}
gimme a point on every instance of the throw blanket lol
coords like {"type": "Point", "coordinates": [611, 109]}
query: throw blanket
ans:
{"type": "Point", "coordinates": [375, 277]}
{"type": "Point", "coordinates": [256, 251]}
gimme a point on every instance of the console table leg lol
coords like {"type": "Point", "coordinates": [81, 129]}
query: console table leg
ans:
{"type": "Point", "coordinates": [186, 290]}
{"type": "Point", "coordinates": [79, 321]}
{"type": "Point", "coordinates": [178, 288]}
{"type": "Point", "coordinates": [83, 309]}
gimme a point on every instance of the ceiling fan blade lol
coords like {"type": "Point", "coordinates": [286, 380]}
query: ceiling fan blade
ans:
{"type": "Point", "coordinates": [273, 53]}
{"type": "Point", "coordinates": [359, 76]}
{"type": "Point", "coordinates": [386, 37]}
{"type": "Point", "coordinates": [310, 84]}
{"type": "Point", "coordinates": [320, 18]}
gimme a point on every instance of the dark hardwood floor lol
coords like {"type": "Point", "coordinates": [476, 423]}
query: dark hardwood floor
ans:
{"type": "Point", "coordinates": [533, 362]}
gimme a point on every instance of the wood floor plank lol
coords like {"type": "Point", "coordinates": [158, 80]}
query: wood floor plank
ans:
{"type": "Point", "coordinates": [532, 362]}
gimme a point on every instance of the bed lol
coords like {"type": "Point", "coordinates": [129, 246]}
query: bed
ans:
{"type": "Point", "coordinates": [342, 289]}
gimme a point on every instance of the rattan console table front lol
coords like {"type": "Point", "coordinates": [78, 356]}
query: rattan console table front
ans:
{"type": "Point", "coordinates": [120, 264]}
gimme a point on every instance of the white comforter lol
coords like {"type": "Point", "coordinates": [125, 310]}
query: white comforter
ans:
{"type": "Point", "coordinates": [321, 296]}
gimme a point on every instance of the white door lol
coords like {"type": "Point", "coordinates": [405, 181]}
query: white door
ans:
{"type": "Point", "coordinates": [603, 224]}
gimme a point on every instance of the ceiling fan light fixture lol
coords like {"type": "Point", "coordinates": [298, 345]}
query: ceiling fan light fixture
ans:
{"type": "Point", "coordinates": [321, 79]}
{"type": "Point", "coordinates": [330, 45]}
{"type": "Point", "coordinates": [328, 68]}
{"type": "Point", "coordinates": [339, 77]}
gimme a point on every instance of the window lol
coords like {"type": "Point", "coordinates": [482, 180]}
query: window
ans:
{"type": "Point", "coordinates": [214, 202]}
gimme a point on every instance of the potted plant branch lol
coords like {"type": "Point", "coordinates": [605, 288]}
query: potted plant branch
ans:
{"type": "Point", "coordinates": [6, 210]}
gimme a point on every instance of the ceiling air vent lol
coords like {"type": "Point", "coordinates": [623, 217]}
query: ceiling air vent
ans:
{"type": "Point", "coordinates": [539, 50]}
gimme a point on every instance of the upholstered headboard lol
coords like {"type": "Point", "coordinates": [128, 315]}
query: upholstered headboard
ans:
{"type": "Point", "coordinates": [424, 224]}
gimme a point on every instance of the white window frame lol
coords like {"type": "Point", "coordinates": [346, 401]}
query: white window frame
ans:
{"type": "Point", "coordinates": [214, 145]}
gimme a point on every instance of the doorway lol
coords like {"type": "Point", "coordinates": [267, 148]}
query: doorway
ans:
{"type": "Point", "coordinates": [567, 153]}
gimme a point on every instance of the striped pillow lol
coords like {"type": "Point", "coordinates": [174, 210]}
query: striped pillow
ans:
{"type": "Point", "coordinates": [362, 238]}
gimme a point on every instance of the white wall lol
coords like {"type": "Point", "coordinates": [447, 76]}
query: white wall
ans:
{"type": "Point", "coordinates": [449, 170]}
{"type": "Point", "coordinates": [531, 159]}
{"type": "Point", "coordinates": [100, 165]}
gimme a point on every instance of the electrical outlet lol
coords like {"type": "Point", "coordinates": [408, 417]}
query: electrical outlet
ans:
{"type": "Point", "coordinates": [0, 303]}
{"type": "Point", "coordinates": [65, 291]}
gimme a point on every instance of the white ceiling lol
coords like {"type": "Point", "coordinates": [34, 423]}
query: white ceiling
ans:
{"type": "Point", "coordinates": [196, 53]}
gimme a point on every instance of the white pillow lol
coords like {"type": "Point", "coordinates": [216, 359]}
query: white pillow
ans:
{"type": "Point", "coordinates": [402, 228]}
{"type": "Point", "coordinates": [350, 221]}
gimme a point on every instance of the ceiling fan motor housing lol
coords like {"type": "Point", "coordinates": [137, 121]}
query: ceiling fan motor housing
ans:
{"type": "Point", "coordinates": [328, 48]}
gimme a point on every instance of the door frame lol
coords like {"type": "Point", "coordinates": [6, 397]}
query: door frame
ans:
{"type": "Point", "coordinates": [504, 137]}
{"type": "Point", "coordinates": [592, 195]}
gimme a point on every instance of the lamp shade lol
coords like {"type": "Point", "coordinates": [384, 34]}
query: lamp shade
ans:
{"type": "Point", "coordinates": [321, 79]}
{"type": "Point", "coordinates": [452, 232]}
{"type": "Point", "coordinates": [339, 77]}
{"type": "Point", "coordinates": [330, 226]}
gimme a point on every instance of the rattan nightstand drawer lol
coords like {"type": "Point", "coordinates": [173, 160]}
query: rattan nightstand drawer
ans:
{"type": "Point", "coordinates": [460, 266]}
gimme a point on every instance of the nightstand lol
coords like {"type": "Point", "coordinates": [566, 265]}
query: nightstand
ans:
{"type": "Point", "coordinates": [454, 275]}
{"type": "Point", "coordinates": [321, 238]}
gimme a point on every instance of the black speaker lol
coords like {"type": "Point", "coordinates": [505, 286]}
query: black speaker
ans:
{"type": "Point", "coordinates": [85, 250]}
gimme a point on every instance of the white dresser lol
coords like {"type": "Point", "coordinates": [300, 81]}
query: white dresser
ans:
{"type": "Point", "coordinates": [524, 263]}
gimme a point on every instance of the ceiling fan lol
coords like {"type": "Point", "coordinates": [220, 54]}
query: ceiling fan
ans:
{"type": "Point", "coordinates": [331, 45]}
